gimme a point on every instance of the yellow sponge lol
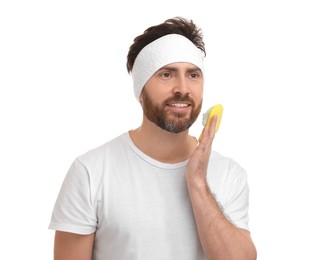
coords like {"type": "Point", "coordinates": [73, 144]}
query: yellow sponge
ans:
{"type": "Point", "coordinates": [215, 110]}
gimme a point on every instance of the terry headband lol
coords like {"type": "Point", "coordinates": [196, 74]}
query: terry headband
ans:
{"type": "Point", "coordinates": [165, 50]}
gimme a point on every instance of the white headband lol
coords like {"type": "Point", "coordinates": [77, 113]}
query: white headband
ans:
{"type": "Point", "coordinates": [165, 50]}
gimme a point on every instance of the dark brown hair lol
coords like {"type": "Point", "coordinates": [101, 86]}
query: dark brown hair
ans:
{"type": "Point", "coordinates": [176, 25]}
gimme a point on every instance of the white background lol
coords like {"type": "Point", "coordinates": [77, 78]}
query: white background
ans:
{"type": "Point", "coordinates": [65, 90]}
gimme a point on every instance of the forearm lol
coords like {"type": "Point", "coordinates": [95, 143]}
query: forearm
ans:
{"type": "Point", "coordinates": [219, 238]}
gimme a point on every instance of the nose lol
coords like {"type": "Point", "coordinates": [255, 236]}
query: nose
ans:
{"type": "Point", "coordinates": [181, 85]}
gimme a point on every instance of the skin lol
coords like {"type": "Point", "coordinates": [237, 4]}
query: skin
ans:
{"type": "Point", "coordinates": [69, 246]}
{"type": "Point", "coordinates": [219, 238]}
{"type": "Point", "coordinates": [183, 78]}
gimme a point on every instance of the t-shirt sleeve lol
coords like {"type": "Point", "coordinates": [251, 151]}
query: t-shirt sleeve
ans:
{"type": "Point", "coordinates": [236, 202]}
{"type": "Point", "coordinates": [74, 210]}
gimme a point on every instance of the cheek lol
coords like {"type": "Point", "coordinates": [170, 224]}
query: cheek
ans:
{"type": "Point", "coordinates": [149, 98]}
{"type": "Point", "coordinates": [198, 92]}
{"type": "Point", "coordinates": [153, 89]}
{"type": "Point", "coordinates": [157, 97]}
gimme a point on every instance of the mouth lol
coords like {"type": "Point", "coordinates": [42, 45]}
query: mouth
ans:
{"type": "Point", "coordinates": [179, 105]}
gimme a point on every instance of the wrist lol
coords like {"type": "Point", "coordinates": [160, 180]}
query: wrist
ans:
{"type": "Point", "coordinates": [197, 181]}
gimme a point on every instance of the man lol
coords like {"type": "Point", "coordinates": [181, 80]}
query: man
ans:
{"type": "Point", "coordinates": [156, 192]}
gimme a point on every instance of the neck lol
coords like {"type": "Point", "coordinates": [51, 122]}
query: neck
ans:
{"type": "Point", "coordinates": [162, 145]}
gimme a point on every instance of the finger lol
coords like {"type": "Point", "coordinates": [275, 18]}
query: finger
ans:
{"type": "Point", "coordinates": [209, 131]}
{"type": "Point", "coordinates": [213, 125]}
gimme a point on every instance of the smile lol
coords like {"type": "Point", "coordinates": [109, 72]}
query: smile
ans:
{"type": "Point", "coordinates": [178, 105]}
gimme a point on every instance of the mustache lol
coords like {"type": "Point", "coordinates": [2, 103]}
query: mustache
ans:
{"type": "Point", "coordinates": [179, 97]}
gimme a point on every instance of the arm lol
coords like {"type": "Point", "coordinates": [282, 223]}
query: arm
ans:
{"type": "Point", "coordinates": [70, 246]}
{"type": "Point", "coordinates": [219, 238]}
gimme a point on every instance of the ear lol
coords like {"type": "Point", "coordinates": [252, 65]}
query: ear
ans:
{"type": "Point", "coordinates": [141, 99]}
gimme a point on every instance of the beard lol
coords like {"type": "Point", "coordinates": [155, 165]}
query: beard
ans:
{"type": "Point", "coordinates": [168, 120]}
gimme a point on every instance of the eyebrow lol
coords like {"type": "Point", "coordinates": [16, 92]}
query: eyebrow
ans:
{"type": "Point", "coordinates": [171, 68]}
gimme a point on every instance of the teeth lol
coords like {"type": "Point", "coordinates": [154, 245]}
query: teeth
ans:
{"type": "Point", "coordinates": [178, 105]}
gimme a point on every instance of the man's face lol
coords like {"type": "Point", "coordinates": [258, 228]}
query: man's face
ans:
{"type": "Point", "coordinates": [172, 97]}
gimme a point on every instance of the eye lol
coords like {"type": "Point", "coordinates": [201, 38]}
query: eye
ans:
{"type": "Point", "coordinates": [165, 74]}
{"type": "Point", "coordinates": [194, 75]}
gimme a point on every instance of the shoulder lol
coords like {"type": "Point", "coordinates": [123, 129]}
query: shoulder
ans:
{"type": "Point", "coordinates": [224, 162]}
{"type": "Point", "coordinates": [99, 154]}
{"type": "Point", "coordinates": [87, 170]}
{"type": "Point", "coordinates": [96, 161]}
{"type": "Point", "coordinates": [223, 170]}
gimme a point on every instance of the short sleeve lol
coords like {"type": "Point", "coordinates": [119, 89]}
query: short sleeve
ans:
{"type": "Point", "coordinates": [236, 203]}
{"type": "Point", "coordinates": [74, 211]}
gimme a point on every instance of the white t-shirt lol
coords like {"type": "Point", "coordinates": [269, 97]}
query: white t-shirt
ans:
{"type": "Point", "coordinates": [140, 207]}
